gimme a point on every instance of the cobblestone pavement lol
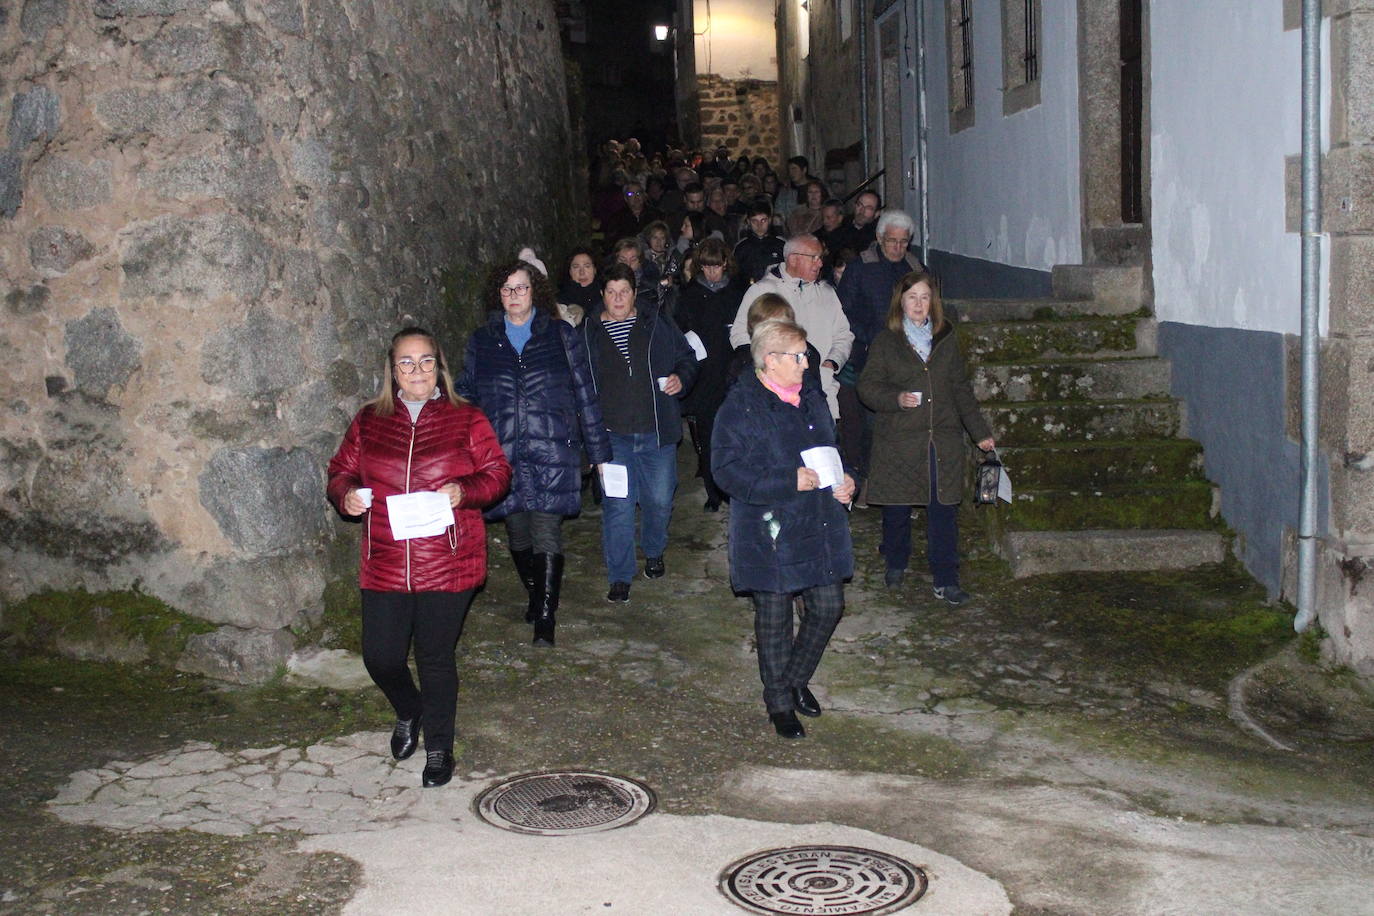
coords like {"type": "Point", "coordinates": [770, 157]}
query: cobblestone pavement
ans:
{"type": "Point", "coordinates": [1061, 745]}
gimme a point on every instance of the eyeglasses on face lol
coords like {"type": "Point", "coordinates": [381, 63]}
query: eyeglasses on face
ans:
{"type": "Point", "coordinates": [407, 366]}
{"type": "Point", "coordinates": [520, 290]}
{"type": "Point", "coordinates": [800, 357]}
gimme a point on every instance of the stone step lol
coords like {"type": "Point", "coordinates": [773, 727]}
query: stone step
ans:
{"type": "Point", "coordinates": [1186, 504]}
{"type": "Point", "coordinates": [1102, 464]}
{"type": "Point", "coordinates": [1038, 423]}
{"type": "Point", "coordinates": [1122, 245]}
{"type": "Point", "coordinates": [1072, 380]}
{"type": "Point", "coordinates": [1034, 553]}
{"type": "Point", "coordinates": [1113, 288]}
{"type": "Point", "coordinates": [1019, 341]}
{"type": "Point", "coordinates": [978, 311]}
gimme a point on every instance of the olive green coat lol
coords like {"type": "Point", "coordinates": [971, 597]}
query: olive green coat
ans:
{"type": "Point", "coordinates": [899, 472]}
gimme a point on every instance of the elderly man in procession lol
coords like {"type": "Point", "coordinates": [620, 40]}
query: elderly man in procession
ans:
{"type": "Point", "coordinates": [813, 301]}
{"type": "Point", "coordinates": [865, 292]}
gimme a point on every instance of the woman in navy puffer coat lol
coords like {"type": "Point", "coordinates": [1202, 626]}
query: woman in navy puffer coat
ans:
{"type": "Point", "coordinates": [528, 372]}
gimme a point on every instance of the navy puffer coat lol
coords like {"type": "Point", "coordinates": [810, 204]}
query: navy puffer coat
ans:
{"type": "Point", "coordinates": [544, 408]}
{"type": "Point", "coordinates": [781, 539]}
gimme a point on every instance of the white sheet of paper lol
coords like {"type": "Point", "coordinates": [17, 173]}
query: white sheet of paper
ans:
{"type": "Point", "coordinates": [825, 461]}
{"type": "Point", "coordinates": [418, 515]}
{"type": "Point", "coordinates": [1004, 486]}
{"type": "Point", "coordinates": [698, 347]}
{"type": "Point", "coordinates": [615, 480]}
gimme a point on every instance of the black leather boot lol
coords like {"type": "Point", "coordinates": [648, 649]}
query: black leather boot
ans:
{"type": "Point", "coordinates": [524, 568]}
{"type": "Point", "coordinates": [551, 564]}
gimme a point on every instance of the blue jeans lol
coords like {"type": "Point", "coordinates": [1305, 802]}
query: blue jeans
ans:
{"type": "Point", "coordinates": [653, 480]}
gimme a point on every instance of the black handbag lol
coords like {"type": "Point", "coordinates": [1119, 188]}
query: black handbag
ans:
{"type": "Point", "coordinates": [989, 477]}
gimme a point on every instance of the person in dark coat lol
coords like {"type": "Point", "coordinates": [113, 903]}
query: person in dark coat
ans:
{"type": "Point", "coordinates": [417, 436]}
{"type": "Point", "coordinates": [641, 366]}
{"type": "Point", "coordinates": [529, 373]}
{"type": "Point", "coordinates": [581, 286]}
{"type": "Point", "coordinates": [916, 382]}
{"type": "Point", "coordinates": [631, 219]}
{"type": "Point", "coordinates": [758, 248]}
{"type": "Point", "coordinates": [788, 534]}
{"type": "Point", "coordinates": [630, 252]}
{"type": "Point", "coordinates": [865, 291]}
{"type": "Point", "coordinates": [706, 306]}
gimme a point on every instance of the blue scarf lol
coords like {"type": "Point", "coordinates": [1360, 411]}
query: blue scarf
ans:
{"type": "Point", "coordinates": [919, 336]}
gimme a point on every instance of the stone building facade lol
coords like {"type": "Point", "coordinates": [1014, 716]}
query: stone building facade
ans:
{"type": "Point", "coordinates": [213, 213]}
{"type": "Point", "coordinates": [739, 114]}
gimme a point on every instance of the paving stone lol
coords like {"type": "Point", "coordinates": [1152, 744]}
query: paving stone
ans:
{"type": "Point", "coordinates": [33, 114]}
{"type": "Point", "coordinates": [54, 250]}
{"type": "Point", "coordinates": [68, 183]}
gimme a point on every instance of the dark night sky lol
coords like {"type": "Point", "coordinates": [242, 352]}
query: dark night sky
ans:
{"type": "Point", "coordinates": [627, 75]}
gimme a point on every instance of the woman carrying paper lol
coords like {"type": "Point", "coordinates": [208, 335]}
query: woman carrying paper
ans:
{"type": "Point", "coordinates": [415, 439]}
{"type": "Point", "coordinates": [774, 452]}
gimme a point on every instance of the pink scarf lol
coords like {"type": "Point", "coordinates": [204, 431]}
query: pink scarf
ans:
{"type": "Point", "coordinates": [789, 393]}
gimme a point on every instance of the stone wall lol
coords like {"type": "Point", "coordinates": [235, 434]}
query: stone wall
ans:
{"type": "Point", "coordinates": [741, 115]}
{"type": "Point", "coordinates": [212, 215]}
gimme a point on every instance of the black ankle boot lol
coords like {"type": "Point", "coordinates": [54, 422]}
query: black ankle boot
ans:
{"type": "Point", "coordinates": [552, 584]}
{"type": "Point", "coordinates": [438, 769]}
{"type": "Point", "coordinates": [524, 568]}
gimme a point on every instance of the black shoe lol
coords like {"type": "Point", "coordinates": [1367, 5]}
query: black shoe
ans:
{"type": "Point", "coordinates": [805, 702]}
{"type": "Point", "coordinates": [952, 593]}
{"type": "Point", "coordinates": [405, 737]}
{"type": "Point", "coordinates": [620, 591]}
{"type": "Point", "coordinates": [786, 724]}
{"type": "Point", "coordinates": [893, 577]}
{"type": "Point", "coordinates": [438, 769]}
{"type": "Point", "coordinates": [550, 584]}
{"type": "Point", "coordinates": [654, 568]}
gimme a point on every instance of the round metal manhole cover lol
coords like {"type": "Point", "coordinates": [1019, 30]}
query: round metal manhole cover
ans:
{"type": "Point", "coordinates": [813, 880]}
{"type": "Point", "coordinates": [561, 804]}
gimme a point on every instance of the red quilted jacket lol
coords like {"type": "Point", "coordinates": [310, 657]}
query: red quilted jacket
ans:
{"type": "Point", "coordinates": [392, 455]}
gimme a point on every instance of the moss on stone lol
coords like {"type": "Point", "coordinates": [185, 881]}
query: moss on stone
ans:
{"type": "Point", "coordinates": [50, 619]}
{"type": "Point", "coordinates": [1182, 505]}
{"type": "Point", "coordinates": [1022, 340]}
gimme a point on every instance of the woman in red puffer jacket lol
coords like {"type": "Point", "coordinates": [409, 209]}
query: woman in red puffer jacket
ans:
{"type": "Point", "coordinates": [417, 436]}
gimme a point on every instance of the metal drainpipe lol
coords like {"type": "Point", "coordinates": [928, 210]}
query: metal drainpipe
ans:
{"type": "Point", "coordinates": [1311, 275]}
{"type": "Point", "coordinates": [922, 130]}
{"type": "Point", "coordinates": [862, 24]}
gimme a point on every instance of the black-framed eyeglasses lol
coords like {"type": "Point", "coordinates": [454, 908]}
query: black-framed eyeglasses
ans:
{"type": "Point", "coordinates": [799, 357]}
{"type": "Point", "coordinates": [519, 290]}
{"type": "Point", "coordinates": [408, 366]}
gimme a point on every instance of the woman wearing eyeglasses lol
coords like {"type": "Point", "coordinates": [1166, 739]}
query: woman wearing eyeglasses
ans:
{"type": "Point", "coordinates": [528, 371]}
{"type": "Point", "coordinates": [416, 436]}
{"type": "Point", "coordinates": [789, 534]}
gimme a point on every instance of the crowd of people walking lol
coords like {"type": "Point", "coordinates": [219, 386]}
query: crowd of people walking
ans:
{"type": "Point", "coordinates": [803, 343]}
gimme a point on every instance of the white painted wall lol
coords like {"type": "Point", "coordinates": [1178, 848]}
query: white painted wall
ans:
{"type": "Point", "coordinates": [1007, 188]}
{"type": "Point", "coordinates": [1223, 115]}
{"type": "Point", "coordinates": [736, 38]}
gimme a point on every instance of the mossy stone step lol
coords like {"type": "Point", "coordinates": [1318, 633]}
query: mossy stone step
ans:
{"type": "Point", "coordinates": [1101, 464]}
{"type": "Point", "coordinates": [1038, 422]}
{"type": "Point", "coordinates": [1180, 505]}
{"type": "Point", "coordinates": [1015, 341]}
{"type": "Point", "coordinates": [985, 310]}
{"type": "Point", "coordinates": [1035, 553]}
{"type": "Point", "coordinates": [1072, 380]}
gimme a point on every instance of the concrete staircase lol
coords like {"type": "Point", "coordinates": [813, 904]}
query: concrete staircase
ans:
{"type": "Point", "coordinates": [1102, 478]}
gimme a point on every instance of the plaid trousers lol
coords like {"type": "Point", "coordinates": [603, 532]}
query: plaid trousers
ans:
{"type": "Point", "coordinates": [786, 662]}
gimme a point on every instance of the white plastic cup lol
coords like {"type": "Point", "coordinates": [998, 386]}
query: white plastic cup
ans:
{"type": "Point", "coordinates": [917, 396]}
{"type": "Point", "coordinates": [365, 494]}
{"type": "Point", "coordinates": [662, 383]}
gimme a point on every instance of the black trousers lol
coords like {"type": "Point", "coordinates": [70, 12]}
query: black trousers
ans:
{"type": "Point", "coordinates": [541, 532]}
{"type": "Point", "coordinates": [433, 621]}
{"type": "Point", "coordinates": [786, 662]}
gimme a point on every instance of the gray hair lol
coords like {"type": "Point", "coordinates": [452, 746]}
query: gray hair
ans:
{"type": "Point", "coordinates": [796, 241]}
{"type": "Point", "coordinates": [770, 334]}
{"type": "Point", "coordinates": [895, 219]}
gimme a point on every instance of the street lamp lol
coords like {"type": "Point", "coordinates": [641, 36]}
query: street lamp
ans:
{"type": "Point", "coordinates": [661, 32]}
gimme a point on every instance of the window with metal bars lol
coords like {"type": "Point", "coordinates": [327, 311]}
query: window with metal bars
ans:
{"type": "Point", "coordinates": [1021, 59]}
{"type": "Point", "coordinates": [959, 44]}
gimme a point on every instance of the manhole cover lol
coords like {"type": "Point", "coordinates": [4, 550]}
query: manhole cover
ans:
{"type": "Point", "coordinates": [559, 804]}
{"type": "Point", "coordinates": [823, 880]}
